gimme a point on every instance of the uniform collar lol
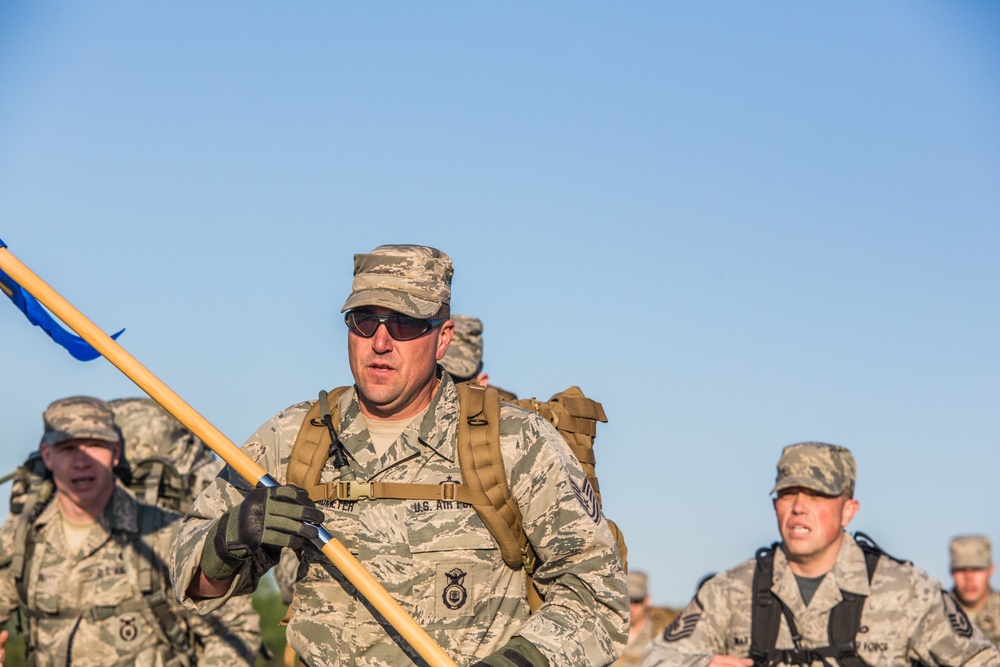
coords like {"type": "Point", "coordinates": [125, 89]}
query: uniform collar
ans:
{"type": "Point", "coordinates": [849, 574]}
{"type": "Point", "coordinates": [439, 427]}
{"type": "Point", "coordinates": [436, 431]}
{"type": "Point", "coordinates": [119, 515]}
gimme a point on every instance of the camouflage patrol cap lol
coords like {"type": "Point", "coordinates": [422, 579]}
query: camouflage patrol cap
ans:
{"type": "Point", "coordinates": [79, 418]}
{"type": "Point", "coordinates": [464, 358]}
{"type": "Point", "coordinates": [409, 279]}
{"type": "Point", "coordinates": [828, 469]}
{"type": "Point", "coordinates": [971, 552]}
{"type": "Point", "coordinates": [638, 586]}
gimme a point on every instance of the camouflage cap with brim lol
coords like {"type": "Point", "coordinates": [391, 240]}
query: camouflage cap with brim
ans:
{"type": "Point", "coordinates": [827, 469]}
{"type": "Point", "coordinates": [464, 358]}
{"type": "Point", "coordinates": [79, 418]}
{"type": "Point", "coordinates": [409, 279]}
{"type": "Point", "coordinates": [971, 552]}
{"type": "Point", "coordinates": [638, 586]}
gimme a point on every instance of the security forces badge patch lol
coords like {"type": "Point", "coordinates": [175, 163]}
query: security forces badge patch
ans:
{"type": "Point", "coordinates": [455, 588]}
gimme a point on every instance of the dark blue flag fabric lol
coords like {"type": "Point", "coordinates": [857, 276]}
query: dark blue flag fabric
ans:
{"type": "Point", "coordinates": [40, 317]}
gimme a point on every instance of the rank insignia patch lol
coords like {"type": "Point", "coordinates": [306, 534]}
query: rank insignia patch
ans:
{"type": "Point", "coordinates": [683, 626]}
{"type": "Point", "coordinates": [959, 622]}
{"type": "Point", "coordinates": [588, 499]}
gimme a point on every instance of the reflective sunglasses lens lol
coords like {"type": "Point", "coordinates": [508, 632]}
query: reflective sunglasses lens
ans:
{"type": "Point", "coordinates": [362, 323]}
{"type": "Point", "coordinates": [402, 327]}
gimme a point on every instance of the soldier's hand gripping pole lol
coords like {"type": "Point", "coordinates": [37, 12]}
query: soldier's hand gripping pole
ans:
{"type": "Point", "coordinates": [247, 468]}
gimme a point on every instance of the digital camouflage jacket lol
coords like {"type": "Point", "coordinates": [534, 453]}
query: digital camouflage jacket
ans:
{"type": "Point", "coordinates": [88, 608]}
{"type": "Point", "coordinates": [907, 616]}
{"type": "Point", "coordinates": [436, 558]}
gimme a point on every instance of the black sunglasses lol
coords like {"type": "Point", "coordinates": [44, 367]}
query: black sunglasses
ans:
{"type": "Point", "coordinates": [400, 327]}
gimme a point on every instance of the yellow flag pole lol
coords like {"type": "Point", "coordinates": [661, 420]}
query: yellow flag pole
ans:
{"type": "Point", "coordinates": [247, 468]}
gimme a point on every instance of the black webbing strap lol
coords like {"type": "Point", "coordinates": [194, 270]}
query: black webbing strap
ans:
{"type": "Point", "coordinates": [845, 618]}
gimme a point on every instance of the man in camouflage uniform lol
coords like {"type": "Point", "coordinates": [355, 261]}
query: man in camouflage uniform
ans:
{"type": "Point", "coordinates": [645, 621]}
{"type": "Point", "coordinates": [464, 358]}
{"type": "Point", "coordinates": [94, 549]}
{"type": "Point", "coordinates": [170, 467]}
{"type": "Point", "coordinates": [971, 569]}
{"type": "Point", "coordinates": [906, 616]}
{"type": "Point", "coordinates": [436, 558]}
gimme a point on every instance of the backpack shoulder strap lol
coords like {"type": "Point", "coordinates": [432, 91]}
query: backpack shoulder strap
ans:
{"type": "Point", "coordinates": [312, 445]}
{"type": "Point", "coordinates": [35, 502]}
{"type": "Point", "coordinates": [766, 614]}
{"type": "Point", "coordinates": [483, 471]}
{"type": "Point", "coordinates": [149, 547]}
{"type": "Point", "coordinates": [484, 477]}
{"type": "Point", "coordinates": [845, 618]}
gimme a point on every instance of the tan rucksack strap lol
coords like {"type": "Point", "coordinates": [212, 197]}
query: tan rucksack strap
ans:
{"type": "Point", "coordinates": [312, 445]}
{"type": "Point", "coordinates": [353, 491]}
{"type": "Point", "coordinates": [483, 472]}
{"type": "Point", "coordinates": [484, 477]}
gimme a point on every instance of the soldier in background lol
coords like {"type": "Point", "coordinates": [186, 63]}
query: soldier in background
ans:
{"type": "Point", "coordinates": [971, 569]}
{"type": "Point", "coordinates": [170, 466]}
{"type": "Point", "coordinates": [88, 570]}
{"type": "Point", "coordinates": [645, 621]}
{"type": "Point", "coordinates": [776, 609]}
{"type": "Point", "coordinates": [464, 358]}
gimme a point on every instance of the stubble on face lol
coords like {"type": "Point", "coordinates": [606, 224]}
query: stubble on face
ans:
{"type": "Point", "coordinates": [396, 379]}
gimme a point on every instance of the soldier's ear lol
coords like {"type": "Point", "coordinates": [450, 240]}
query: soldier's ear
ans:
{"type": "Point", "coordinates": [850, 508]}
{"type": "Point", "coordinates": [444, 338]}
{"type": "Point", "coordinates": [46, 455]}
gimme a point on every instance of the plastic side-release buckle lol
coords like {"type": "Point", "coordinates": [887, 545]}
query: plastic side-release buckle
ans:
{"type": "Point", "coordinates": [354, 491]}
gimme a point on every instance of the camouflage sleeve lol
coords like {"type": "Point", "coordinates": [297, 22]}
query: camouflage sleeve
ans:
{"type": "Point", "coordinates": [944, 634]}
{"type": "Point", "coordinates": [285, 574]}
{"type": "Point", "coordinates": [701, 631]}
{"type": "Point", "coordinates": [584, 620]}
{"type": "Point", "coordinates": [225, 492]}
{"type": "Point", "coordinates": [228, 636]}
{"type": "Point", "coordinates": [8, 590]}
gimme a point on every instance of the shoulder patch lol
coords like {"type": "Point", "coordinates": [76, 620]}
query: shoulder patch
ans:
{"type": "Point", "coordinates": [588, 499]}
{"type": "Point", "coordinates": [682, 627]}
{"type": "Point", "coordinates": [959, 622]}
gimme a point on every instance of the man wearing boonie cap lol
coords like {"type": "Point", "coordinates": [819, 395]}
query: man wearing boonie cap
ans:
{"type": "Point", "coordinates": [74, 562]}
{"type": "Point", "coordinates": [820, 596]}
{"type": "Point", "coordinates": [971, 569]}
{"type": "Point", "coordinates": [398, 423]}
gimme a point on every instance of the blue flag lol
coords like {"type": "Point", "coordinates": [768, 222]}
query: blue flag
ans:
{"type": "Point", "coordinates": [40, 317]}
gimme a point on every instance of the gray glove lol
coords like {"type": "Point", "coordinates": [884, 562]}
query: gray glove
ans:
{"type": "Point", "coordinates": [267, 519]}
{"type": "Point", "coordinates": [518, 652]}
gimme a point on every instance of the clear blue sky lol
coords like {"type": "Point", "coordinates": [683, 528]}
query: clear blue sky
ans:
{"type": "Point", "coordinates": [738, 225]}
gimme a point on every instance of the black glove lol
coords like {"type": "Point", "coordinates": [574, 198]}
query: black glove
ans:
{"type": "Point", "coordinates": [268, 518]}
{"type": "Point", "coordinates": [518, 652]}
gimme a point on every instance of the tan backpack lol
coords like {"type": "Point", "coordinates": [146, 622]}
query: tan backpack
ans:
{"type": "Point", "coordinates": [484, 478]}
